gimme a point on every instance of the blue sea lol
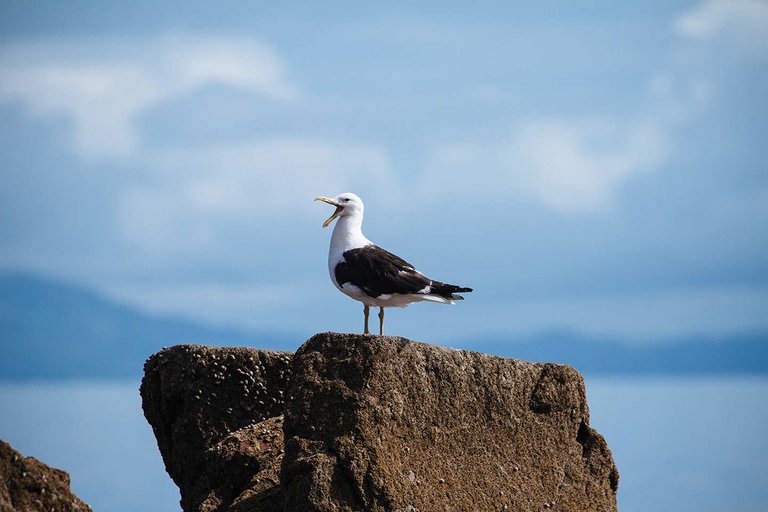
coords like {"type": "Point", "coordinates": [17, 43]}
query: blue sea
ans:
{"type": "Point", "coordinates": [698, 444]}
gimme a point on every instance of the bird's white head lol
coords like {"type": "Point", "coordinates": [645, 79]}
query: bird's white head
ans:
{"type": "Point", "coordinates": [347, 204]}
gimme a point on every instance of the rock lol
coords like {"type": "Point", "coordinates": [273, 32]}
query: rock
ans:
{"type": "Point", "coordinates": [29, 485]}
{"type": "Point", "coordinates": [217, 416]}
{"type": "Point", "coordinates": [374, 423]}
{"type": "Point", "coordinates": [384, 424]}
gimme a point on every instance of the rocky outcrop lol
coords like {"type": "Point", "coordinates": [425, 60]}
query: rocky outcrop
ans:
{"type": "Point", "coordinates": [375, 423]}
{"type": "Point", "coordinates": [388, 424]}
{"type": "Point", "coordinates": [217, 416]}
{"type": "Point", "coordinates": [29, 485]}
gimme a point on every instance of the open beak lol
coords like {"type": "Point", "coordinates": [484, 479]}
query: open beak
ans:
{"type": "Point", "coordinates": [335, 214]}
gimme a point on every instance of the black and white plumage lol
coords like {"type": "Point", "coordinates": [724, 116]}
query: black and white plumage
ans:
{"type": "Point", "coordinates": [372, 275]}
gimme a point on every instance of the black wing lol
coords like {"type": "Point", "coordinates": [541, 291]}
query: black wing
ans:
{"type": "Point", "coordinates": [379, 272]}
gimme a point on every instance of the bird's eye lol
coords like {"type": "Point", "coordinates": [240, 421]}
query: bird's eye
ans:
{"type": "Point", "coordinates": [346, 199]}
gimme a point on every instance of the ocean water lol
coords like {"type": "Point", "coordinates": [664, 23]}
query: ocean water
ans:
{"type": "Point", "coordinates": [683, 444]}
{"type": "Point", "coordinates": [96, 432]}
{"type": "Point", "coordinates": [694, 444]}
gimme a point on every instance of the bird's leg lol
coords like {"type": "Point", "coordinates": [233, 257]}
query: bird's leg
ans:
{"type": "Point", "coordinates": [366, 310]}
{"type": "Point", "coordinates": [381, 321]}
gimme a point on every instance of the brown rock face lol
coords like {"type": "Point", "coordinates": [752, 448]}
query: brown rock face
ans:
{"type": "Point", "coordinates": [217, 416]}
{"type": "Point", "coordinates": [386, 424]}
{"type": "Point", "coordinates": [29, 485]}
{"type": "Point", "coordinates": [375, 423]}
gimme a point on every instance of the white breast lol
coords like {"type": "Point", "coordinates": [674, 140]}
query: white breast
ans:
{"type": "Point", "coordinates": [347, 235]}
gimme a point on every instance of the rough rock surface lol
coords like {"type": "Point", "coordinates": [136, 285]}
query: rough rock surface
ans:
{"type": "Point", "coordinates": [29, 485]}
{"type": "Point", "coordinates": [217, 416]}
{"type": "Point", "coordinates": [383, 423]}
{"type": "Point", "coordinates": [375, 423]}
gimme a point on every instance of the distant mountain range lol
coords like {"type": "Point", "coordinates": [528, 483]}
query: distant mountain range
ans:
{"type": "Point", "coordinates": [55, 330]}
{"type": "Point", "coordinates": [742, 354]}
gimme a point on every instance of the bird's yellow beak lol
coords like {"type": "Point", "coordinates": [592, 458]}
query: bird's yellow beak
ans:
{"type": "Point", "coordinates": [335, 214]}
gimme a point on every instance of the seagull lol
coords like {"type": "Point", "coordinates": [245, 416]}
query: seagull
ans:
{"type": "Point", "coordinates": [371, 275]}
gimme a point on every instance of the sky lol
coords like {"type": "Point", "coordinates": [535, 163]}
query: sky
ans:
{"type": "Point", "coordinates": [595, 167]}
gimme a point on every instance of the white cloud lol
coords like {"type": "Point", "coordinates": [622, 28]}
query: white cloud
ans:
{"type": "Point", "coordinates": [558, 162]}
{"type": "Point", "coordinates": [183, 196]}
{"type": "Point", "coordinates": [240, 63]}
{"type": "Point", "coordinates": [103, 86]}
{"type": "Point", "coordinates": [568, 166]}
{"type": "Point", "coordinates": [193, 192]}
{"type": "Point", "coordinates": [244, 304]}
{"type": "Point", "coordinates": [743, 22]}
{"type": "Point", "coordinates": [573, 165]}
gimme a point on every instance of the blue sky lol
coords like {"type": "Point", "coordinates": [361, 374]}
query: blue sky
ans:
{"type": "Point", "coordinates": [595, 167]}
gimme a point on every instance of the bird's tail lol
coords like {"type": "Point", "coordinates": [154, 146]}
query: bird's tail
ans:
{"type": "Point", "coordinates": [448, 291]}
